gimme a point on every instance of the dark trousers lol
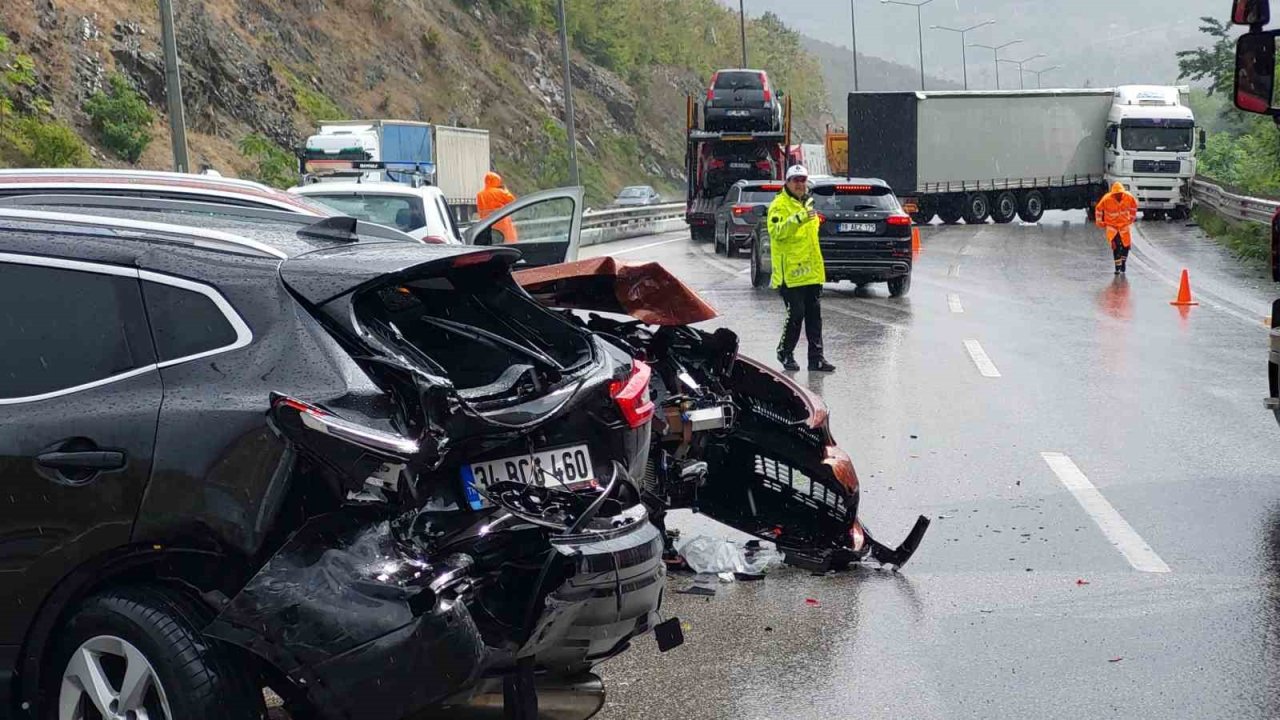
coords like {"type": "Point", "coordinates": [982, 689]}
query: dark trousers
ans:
{"type": "Point", "coordinates": [1119, 252]}
{"type": "Point", "coordinates": [804, 307]}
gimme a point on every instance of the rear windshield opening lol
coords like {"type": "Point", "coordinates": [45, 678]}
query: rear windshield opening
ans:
{"type": "Point", "coordinates": [739, 81]}
{"type": "Point", "coordinates": [479, 329]}
{"type": "Point", "coordinates": [758, 196]}
{"type": "Point", "coordinates": [403, 212]}
{"type": "Point", "coordinates": [853, 198]}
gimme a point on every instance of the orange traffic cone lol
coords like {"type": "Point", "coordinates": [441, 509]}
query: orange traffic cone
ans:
{"type": "Point", "coordinates": [915, 239]}
{"type": "Point", "coordinates": [1184, 292]}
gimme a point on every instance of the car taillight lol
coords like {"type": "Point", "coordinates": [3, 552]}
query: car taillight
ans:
{"type": "Point", "coordinates": [714, 163]}
{"type": "Point", "coordinates": [768, 96]}
{"type": "Point", "coordinates": [821, 218]}
{"type": "Point", "coordinates": [434, 240]}
{"type": "Point", "coordinates": [771, 188]}
{"type": "Point", "coordinates": [899, 220]}
{"type": "Point", "coordinates": [711, 90]}
{"type": "Point", "coordinates": [322, 421]}
{"type": "Point", "coordinates": [741, 209]}
{"type": "Point", "coordinates": [632, 395]}
{"type": "Point", "coordinates": [764, 165]}
{"type": "Point", "coordinates": [853, 188]}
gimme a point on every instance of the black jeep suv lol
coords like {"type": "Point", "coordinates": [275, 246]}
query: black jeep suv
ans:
{"type": "Point", "coordinates": [865, 235]}
{"type": "Point", "coordinates": [313, 456]}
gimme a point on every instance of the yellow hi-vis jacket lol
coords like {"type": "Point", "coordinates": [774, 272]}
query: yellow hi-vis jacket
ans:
{"type": "Point", "coordinates": [793, 243]}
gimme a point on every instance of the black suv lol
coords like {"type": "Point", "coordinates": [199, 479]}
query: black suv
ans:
{"type": "Point", "coordinates": [744, 206]}
{"type": "Point", "coordinates": [311, 455]}
{"type": "Point", "coordinates": [865, 235]}
{"type": "Point", "coordinates": [742, 100]}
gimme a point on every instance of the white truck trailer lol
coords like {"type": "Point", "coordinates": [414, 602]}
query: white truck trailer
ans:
{"type": "Point", "coordinates": [1003, 154]}
{"type": "Point", "coordinates": [453, 159]}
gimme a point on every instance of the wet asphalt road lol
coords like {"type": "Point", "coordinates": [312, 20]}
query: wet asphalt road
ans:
{"type": "Point", "coordinates": [1017, 604]}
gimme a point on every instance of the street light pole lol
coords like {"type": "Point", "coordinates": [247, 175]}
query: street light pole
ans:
{"type": "Point", "coordinates": [853, 23]}
{"type": "Point", "coordinates": [173, 88]}
{"type": "Point", "coordinates": [568, 98]}
{"type": "Point", "coordinates": [964, 58]}
{"type": "Point", "coordinates": [1038, 73]}
{"type": "Point", "coordinates": [995, 53]}
{"type": "Point", "coordinates": [1020, 63]}
{"type": "Point", "coordinates": [742, 24]}
{"type": "Point", "coordinates": [919, 31]}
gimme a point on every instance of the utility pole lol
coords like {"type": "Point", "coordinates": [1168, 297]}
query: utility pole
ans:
{"type": "Point", "coordinates": [919, 31]}
{"type": "Point", "coordinates": [568, 98]}
{"type": "Point", "coordinates": [964, 58]}
{"type": "Point", "coordinates": [995, 53]}
{"type": "Point", "coordinates": [1038, 73]}
{"type": "Point", "coordinates": [742, 24]}
{"type": "Point", "coordinates": [173, 88]}
{"type": "Point", "coordinates": [853, 22]}
{"type": "Point", "coordinates": [1020, 63]}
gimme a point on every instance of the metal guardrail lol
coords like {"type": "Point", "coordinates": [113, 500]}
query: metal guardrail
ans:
{"type": "Point", "coordinates": [1236, 207]}
{"type": "Point", "coordinates": [620, 217]}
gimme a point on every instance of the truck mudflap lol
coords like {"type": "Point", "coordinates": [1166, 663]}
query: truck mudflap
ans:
{"type": "Point", "coordinates": [732, 438]}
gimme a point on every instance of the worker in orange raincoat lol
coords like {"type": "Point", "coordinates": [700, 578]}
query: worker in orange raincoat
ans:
{"type": "Point", "coordinates": [1116, 213]}
{"type": "Point", "coordinates": [490, 199]}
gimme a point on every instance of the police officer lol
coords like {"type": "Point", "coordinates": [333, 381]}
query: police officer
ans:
{"type": "Point", "coordinates": [798, 270]}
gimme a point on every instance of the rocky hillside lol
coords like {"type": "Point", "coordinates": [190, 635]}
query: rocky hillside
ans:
{"type": "Point", "coordinates": [81, 81]}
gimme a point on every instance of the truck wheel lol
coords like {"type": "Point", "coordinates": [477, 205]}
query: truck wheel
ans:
{"type": "Point", "coordinates": [900, 286]}
{"type": "Point", "coordinates": [1031, 206]}
{"type": "Point", "coordinates": [1182, 212]}
{"type": "Point", "coordinates": [148, 637]}
{"type": "Point", "coordinates": [927, 208]}
{"type": "Point", "coordinates": [976, 208]}
{"type": "Point", "coordinates": [1005, 208]}
{"type": "Point", "coordinates": [949, 212]}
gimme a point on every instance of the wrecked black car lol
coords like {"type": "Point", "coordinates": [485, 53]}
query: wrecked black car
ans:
{"type": "Point", "coordinates": [371, 475]}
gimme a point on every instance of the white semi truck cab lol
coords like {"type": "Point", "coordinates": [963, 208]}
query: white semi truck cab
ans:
{"type": "Point", "coordinates": [1151, 145]}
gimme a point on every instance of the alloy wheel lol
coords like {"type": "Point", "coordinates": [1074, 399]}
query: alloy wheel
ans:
{"type": "Point", "coordinates": [107, 678]}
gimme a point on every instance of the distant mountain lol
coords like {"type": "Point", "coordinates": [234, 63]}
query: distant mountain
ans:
{"type": "Point", "coordinates": [873, 74]}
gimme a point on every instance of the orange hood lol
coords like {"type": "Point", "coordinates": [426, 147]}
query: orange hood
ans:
{"type": "Point", "coordinates": [492, 180]}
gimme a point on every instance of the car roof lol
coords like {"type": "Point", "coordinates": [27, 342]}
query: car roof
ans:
{"type": "Point", "coordinates": [374, 187]}
{"type": "Point", "coordinates": [262, 233]}
{"type": "Point", "coordinates": [25, 181]}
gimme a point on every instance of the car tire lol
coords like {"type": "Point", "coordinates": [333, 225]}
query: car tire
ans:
{"type": "Point", "coordinates": [1031, 206]}
{"type": "Point", "coordinates": [900, 286]}
{"type": "Point", "coordinates": [154, 630]}
{"type": "Point", "coordinates": [949, 212]}
{"type": "Point", "coordinates": [759, 277]}
{"type": "Point", "coordinates": [730, 246]}
{"type": "Point", "coordinates": [715, 240]}
{"type": "Point", "coordinates": [976, 208]}
{"type": "Point", "coordinates": [1005, 208]}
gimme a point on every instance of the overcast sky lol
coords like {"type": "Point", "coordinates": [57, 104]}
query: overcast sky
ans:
{"type": "Point", "coordinates": [1108, 42]}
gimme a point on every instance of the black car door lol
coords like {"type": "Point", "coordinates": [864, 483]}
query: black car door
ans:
{"type": "Point", "coordinates": [80, 395]}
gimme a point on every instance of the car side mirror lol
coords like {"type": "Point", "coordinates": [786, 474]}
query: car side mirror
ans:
{"type": "Point", "coordinates": [1251, 12]}
{"type": "Point", "coordinates": [1275, 247]}
{"type": "Point", "coordinates": [1202, 139]}
{"type": "Point", "coordinates": [1256, 73]}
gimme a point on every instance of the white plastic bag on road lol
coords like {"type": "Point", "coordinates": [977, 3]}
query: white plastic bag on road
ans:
{"type": "Point", "coordinates": [712, 555]}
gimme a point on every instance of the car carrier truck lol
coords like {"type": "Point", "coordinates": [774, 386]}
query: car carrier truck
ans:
{"type": "Point", "coordinates": [974, 155]}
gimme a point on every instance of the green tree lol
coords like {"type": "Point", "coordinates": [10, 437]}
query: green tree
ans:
{"type": "Point", "coordinates": [121, 118]}
{"type": "Point", "coordinates": [276, 166]}
{"type": "Point", "coordinates": [1216, 63]}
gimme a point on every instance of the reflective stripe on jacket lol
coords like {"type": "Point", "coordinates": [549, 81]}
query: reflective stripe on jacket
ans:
{"type": "Point", "coordinates": [793, 244]}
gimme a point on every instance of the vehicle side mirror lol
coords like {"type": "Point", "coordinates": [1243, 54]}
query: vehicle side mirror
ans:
{"type": "Point", "coordinates": [1275, 247]}
{"type": "Point", "coordinates": [1202, 139]}
{"type": "Point", "coordinates": [1251, 12]}
{"type": "Point", "coordinates": [1255, 73]}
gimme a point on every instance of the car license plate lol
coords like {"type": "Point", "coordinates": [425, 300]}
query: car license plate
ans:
{"type": "Point", "coordinates": [739, 113]}
{"type": "Point", "coordinates": [739, 165]}
{"type": "Point", "coordinates": [857, 227]}
{"type": "Point", "coordinates": [561, 466]}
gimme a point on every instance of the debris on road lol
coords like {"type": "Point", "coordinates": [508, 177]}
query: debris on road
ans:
{"type": "Point", "coordinates": [1082, 581]}
{"type": "Point", "coordinates": [812, 602]}
{"type": "Point", "coordinates": [716, 556]}
{"type": "Point", "coordinates": [1115, 660]}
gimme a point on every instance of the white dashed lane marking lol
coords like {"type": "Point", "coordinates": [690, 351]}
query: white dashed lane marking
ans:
{"type": "Point", "coordinates": [953, 302]}
{"type": "Point", "coordinates": [980, 358]}
{"type": "Point", "coordinates": [1117, 530]}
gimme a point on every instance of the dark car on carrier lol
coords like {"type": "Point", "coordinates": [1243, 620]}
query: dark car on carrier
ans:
{"type": "Point", "coordinates": [741, 100]}
{"type": "Point", "coordinates": [865, 235]}
{"type": "Point", "coordinates": [271, 450]}
{"type": "Point", "coordinates": [744, 206]}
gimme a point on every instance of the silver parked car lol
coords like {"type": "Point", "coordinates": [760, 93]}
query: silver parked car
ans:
{"type": "Point", "coordinates": [637, 195]}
